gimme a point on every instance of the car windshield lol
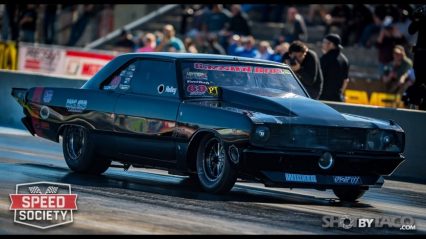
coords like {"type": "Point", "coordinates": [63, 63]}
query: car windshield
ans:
{"type": "Point", "coordinates": [201, 78]}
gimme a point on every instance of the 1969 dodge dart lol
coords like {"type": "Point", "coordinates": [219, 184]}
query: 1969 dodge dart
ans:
{"type": "Point", "coordinates": [213, 118]}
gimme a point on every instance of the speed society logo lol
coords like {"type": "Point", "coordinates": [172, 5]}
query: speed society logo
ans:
{"type": "Point", "coordinates": [43, 204]}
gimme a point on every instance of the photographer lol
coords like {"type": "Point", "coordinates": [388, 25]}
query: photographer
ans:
{"type": "Point", "coordinates": [415, 96]}
{"type": "Point", "coordinates": [396, 73]}
{"type": "Point", "coordinates": [305, 63]}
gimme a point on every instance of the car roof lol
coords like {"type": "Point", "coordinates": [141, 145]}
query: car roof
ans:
{"type": "Point", "coordinates": [197, 56]}
{"type": "Point", "coordinates": [118, 61]}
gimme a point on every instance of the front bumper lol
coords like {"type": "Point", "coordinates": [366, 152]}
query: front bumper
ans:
{"type": "Point", "coordinates": [300, 168]}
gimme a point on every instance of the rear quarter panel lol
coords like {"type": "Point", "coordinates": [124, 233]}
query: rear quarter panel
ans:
{"type": "Point", "coordinates": [50, 108]}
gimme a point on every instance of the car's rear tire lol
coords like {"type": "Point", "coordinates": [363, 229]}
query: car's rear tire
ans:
{"type": "Point", "coordinates": [79, 153]}
{"type": "Point", "coordinates": [349, 194]}
{"type": "Point", "coordinates": [215, 172]}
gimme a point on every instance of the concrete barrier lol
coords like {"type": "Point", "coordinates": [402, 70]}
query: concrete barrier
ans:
{"type": "Point", "coordinates": [413, 122]}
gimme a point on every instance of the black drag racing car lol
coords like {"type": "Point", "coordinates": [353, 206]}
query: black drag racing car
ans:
{"type": "Point", "coordinates": [213, 118]}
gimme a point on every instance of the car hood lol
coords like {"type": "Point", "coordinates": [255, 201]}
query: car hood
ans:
{"type": "Point", "coordinates": [277, 107]}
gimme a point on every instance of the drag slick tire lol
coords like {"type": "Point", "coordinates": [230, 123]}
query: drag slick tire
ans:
{"type": "Point", "coordinates": [216, 174]}
{"type": "Point", "coordinates": [79, 152]}
{"type": "Point", "coordinates": [349, 194]}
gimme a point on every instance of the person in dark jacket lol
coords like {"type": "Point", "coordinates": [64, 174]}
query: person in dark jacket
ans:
{"type": "Point", "coordinates": [335, 69]}
{"type": "Point", "coordinates": [305, 63]}
{"type": "Point", "coordinates": [239, 22]}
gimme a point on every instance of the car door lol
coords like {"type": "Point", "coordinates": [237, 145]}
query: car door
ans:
{"type": "Point", "coordinates": [146, 113]}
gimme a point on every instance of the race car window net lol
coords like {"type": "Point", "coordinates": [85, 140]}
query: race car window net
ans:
{"type": "Point", "coordinates": [201, 78]}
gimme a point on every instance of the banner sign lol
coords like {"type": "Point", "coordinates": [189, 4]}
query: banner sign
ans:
{"type": "Point", "coordinates": [85, 64]}
{"type": "Point", "coordinates": [61, 60]}
{"type": "Point", "coordinates": [41, 59]}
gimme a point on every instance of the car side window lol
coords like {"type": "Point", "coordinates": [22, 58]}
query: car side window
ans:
{"type": "Point", "coordinates": [156, 78]}
{"type": "Point", "coordinates": [120, 81]}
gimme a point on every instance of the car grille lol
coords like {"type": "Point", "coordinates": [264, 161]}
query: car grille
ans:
{"type": "Point", "coordinates": [327, 138]}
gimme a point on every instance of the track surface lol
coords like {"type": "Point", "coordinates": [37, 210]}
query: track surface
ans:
{"type": "Point", "coordinates": [152, 202]}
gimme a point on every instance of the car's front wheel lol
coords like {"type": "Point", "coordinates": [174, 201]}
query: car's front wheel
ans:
{"type": "Point", "coordinates": [349, 194]}
{"type": "Point", "coordinates": [79, 152]}
{"type": "Point", "coordinates": [215, 172]}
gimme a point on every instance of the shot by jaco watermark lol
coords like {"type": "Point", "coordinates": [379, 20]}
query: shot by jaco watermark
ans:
{"type": "Point", "coordinates": [402, 223]}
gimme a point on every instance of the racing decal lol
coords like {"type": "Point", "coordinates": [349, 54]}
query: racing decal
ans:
{"type": "Point", "coordinates": [347, 179]}
{"type": "Point", "coordinates": [291, 177]}
{"type": "Point", "coordinates": [197, 82]}
{"type": "Point", "coordinates": [127, 80]}
{"type": "Point", "coordinates": [44, 112]}
{"type": "Point", "coordinates": [47, 96]}
{"type": "Point", "coordinates": [132, 67]}
{"type": "Point", "coordinates": [74, 105]}
{"type": "Point", "coordinates": [265, 70]}
{"type": "Point", "coordinates": [124, 87]}
{"type": "Point", "coordinates": [128, 74]}
{"type": "Point", "coordinates": [287, 72]}
{"type": "Point", "coordinates": [210, 67]}
{"type": "Point", "coordinates": [171, 89]}
{"type": "Point", "coordinates": [213, 90]}
{"type": "Point", "coordinates": [160, 89]}
{"type": "Point", "coordinates": [196, 89]}
{"type": "Point", "coordinates": [37, 94]}
{"type": "Point", "coordinates": [196, 75]}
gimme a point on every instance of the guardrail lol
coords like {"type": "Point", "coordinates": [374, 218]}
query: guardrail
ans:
{"type": "Point", "coordinates": [413, 122]}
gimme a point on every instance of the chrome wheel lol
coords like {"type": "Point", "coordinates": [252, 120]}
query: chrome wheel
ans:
{"type": "Point", "coordinates": [214, 159]}
{"type": "Point", "coordinates": [76, 142]}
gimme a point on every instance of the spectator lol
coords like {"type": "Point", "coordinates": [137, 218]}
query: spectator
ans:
{"type": "Point", "coordinates": [239, 23]}
{"type": "Point", "coordinates": [380, 13]}
{"type": "Point", "coordinates": [198, 21]}
{"type": "Point", "coordinates": [317, 13]}
{"type": "Point", "coordinates": [389, 37]}
{"type": "Point", "coordinates": [49, 23]}
{"type": "Point", "coordinates": [216, 20]}
{"type": "Point", "coordinates": [339, 17]}
{"type": "Point", "coordinates": [149, 43]}
{"type": "Point", "coordinates": [9, 23]}
{"type": "Point", "coordinates": [335, 69]}
{"type": "Point", "coordinates": [295, 28]}
{"type": "Point", "coordinates": [190, 46]}
{"type": "Point", "coordinates": [27, 23]}
{"type": "Point", "coordinates": [361, 17]}
{"type": "Point", "coordinates": [265, 50]}
{"type": "Point", "coordinates": [279, 52]}
{"type": "Point", "coordinates": [170, 40]}
{"type": "Point", "coordinates": [125, 43]}
{"type": "Point", "coordinates": [396, 73]}
{"type": "Point", "coordinates": [248, 48]}
{"type": "Point", "coordinates": [274, 11]}
{"type": "Point", "coordinates": [403, 24]}
{"type": "Point", "coordinates": [233, 44]}
{"type": "Point", "coordinates": [305, 63]}
{"type": "Point", "coordinates": [212, 45]}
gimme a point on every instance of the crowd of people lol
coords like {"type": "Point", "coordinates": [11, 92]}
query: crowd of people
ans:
{"type": "Point", "coordinates": [227, 29]}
